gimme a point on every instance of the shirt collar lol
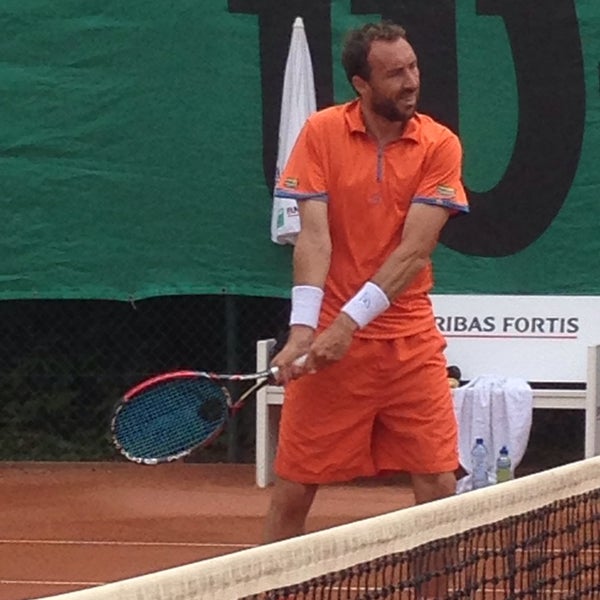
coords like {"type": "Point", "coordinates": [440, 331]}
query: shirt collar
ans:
{"type": "Point", "coordinates": [356, 123]}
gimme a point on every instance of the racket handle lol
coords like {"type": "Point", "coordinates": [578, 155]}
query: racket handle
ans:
{"type": "Point", "coordinates": [299, 362]}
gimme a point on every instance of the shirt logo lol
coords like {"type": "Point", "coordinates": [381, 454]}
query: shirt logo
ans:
{"type": "Point", "coordinates": [445, 191]}
{"type": "Point", "coordinates": [291, 182]}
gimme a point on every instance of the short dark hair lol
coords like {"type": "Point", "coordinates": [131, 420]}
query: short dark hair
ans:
{"type": "Point", "coordinates": [358, 43]}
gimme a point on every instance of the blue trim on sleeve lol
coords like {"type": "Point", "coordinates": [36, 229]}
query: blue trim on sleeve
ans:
{"type": "Point", "coordinates": [444, 202]}
{"type": "Point", "coordinates": [286, 193]}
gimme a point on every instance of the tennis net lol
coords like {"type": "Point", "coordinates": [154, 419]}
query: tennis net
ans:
{"type": "Point", "coordinates": [534, 537]}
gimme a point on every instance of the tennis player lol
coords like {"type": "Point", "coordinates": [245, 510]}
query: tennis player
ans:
{"type": "Point", "coordinates": [375, 182]}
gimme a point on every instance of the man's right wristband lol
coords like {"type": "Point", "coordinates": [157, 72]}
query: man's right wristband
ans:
{"type": "Point", "coordinates": [306, 305]}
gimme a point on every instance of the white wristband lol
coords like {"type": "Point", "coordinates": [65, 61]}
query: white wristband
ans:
{"type": "Point", "coordinates": [306, 305]}
{"type": "Point", "coordinates": [369, 302]}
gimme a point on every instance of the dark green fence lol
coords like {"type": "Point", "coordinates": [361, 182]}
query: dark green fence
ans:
{"type": "Point", "coordinates": [64, 364]}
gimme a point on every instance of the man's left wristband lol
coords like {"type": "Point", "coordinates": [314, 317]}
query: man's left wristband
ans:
{"type": "Point", "coordinates": [306, 305]}
{"type": "Point", "coordinates": [367, 304]}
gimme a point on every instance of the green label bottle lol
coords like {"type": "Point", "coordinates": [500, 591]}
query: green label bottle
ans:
{"type": "Point", "coordinates": [503, 466]}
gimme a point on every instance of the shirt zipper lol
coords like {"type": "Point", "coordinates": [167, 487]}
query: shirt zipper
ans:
{"type": "Point", "coordinates": [380, 151]}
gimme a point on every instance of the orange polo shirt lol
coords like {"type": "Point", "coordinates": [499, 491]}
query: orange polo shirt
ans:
{"type": "Point", "coordinates": [369, 189]}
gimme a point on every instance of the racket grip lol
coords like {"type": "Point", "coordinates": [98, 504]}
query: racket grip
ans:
{"type": "Point", "coordinates": [299, 362]}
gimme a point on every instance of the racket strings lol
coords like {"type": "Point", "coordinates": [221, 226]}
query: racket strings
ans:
{"type": "Point", "coordinates": [211, 410]}
{"type": "Point", "coordinates": [169, 418]}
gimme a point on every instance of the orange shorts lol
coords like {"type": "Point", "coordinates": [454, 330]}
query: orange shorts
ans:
{"type": "Point", "coordinates": [386, 406]}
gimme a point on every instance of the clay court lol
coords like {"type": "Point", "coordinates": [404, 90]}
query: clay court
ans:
{"type": "Point", "coordinates": [69, 526]}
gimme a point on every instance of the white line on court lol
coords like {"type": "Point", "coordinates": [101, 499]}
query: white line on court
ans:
{"type": "Point", "coordinates": [121, 543]}
{"type": "Point", "coordinates": [42, 582]}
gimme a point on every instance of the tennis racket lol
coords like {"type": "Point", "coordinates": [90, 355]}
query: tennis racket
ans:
{"type": "Point", "coordinates": [167, 416]}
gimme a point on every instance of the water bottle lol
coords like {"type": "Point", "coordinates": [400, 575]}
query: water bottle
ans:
{"type": "Point", "coordinates": [479, 464]}
{"type": "Point", "coordinates": [503, 466]}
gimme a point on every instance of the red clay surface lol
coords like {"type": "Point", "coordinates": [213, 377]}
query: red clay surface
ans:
{"type": "Point", "coordinates": [69, 526]}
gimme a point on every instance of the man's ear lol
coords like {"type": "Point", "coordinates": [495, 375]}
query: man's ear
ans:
{"type": "Point", "coordinates": [359, 84]}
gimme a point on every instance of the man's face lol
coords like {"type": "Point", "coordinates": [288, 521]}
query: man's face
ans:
{"type": "Point", "coordinates": [392, 90]}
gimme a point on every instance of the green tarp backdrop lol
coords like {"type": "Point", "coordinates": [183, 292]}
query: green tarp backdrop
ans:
{"type": "Point", "coordinates": [138, 140]}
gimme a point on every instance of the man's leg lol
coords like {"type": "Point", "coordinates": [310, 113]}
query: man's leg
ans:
{"type": "Point", "coordinates": [433, 486]}
{"type": "Point", "coordinates": [290, 503]}
{"type": "Point", "coordinates": [428, 487]}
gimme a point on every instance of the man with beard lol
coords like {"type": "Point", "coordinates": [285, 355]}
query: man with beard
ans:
{"type": "Point", "coordinates": [375, 182]}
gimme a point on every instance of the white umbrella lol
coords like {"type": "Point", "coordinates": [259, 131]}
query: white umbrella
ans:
{"type": "Point", "coordinates": [298, 101]}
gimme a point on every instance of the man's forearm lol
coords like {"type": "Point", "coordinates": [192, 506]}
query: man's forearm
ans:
{"type": "Point", "coordinates": [396, 273]}
{"type": "Point", "coordinates": [419, 239]}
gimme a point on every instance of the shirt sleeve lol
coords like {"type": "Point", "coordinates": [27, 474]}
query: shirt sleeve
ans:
{"type": "Point", "coordinates": [303, 176]}
{"type": "Point", "coordinates": [441, 184]}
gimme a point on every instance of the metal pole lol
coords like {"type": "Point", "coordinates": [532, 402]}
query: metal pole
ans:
{"type": "Point", "coordinates": [231, 318]}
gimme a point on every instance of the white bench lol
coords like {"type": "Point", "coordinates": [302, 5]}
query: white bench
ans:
{"type": "Point", "coordinates": [270, 398]}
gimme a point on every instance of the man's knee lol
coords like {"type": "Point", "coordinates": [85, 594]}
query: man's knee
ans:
{"type": "Point", "coordinates": [289, 496]}
{"type": "Point", "coordinates": [433, 486]}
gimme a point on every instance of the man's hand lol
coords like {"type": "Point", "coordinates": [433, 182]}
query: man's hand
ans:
{"type": "Point", "coordinates": [298, 344]}
{"type": "Point", "coordinates": [331, 344]}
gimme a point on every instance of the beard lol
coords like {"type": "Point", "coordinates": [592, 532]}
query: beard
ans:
{"type": "Point", "coordinates": [388, 109]}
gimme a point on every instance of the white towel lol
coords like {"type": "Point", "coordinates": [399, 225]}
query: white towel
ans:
{"type": "Point", "coordinates": [497, 409]}
{"type": "Point", "coordinates": [298, 102]}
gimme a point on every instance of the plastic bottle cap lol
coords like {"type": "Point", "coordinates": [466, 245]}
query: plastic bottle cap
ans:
{"type": "Point", "coordinates": [504, 450]}
{"type": "Point", "coordinates": [479, 440]}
